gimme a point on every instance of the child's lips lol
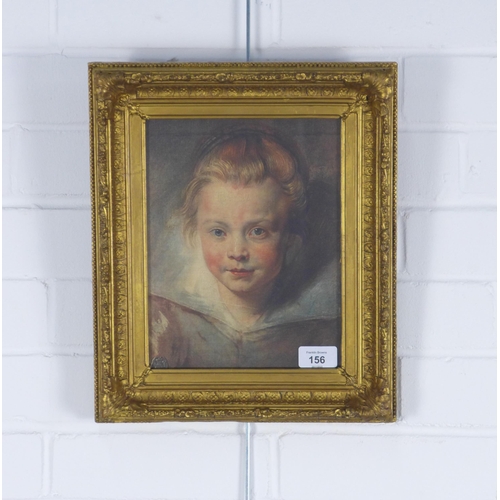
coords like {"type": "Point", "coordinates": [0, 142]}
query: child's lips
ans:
{"type": "Point", "coordinates": [241, 272]}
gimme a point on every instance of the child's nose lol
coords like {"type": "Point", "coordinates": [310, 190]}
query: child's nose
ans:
{"type": "Point", "coordinates": [237, 250]}
{"type": "Point", "coordinates": [239, 258]}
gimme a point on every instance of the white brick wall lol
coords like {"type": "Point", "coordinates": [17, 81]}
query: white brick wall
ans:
{"type": "Point", "coordinates": [402, 467]}
{"type": "Point", "coordinates": [26, 23]}
{"type": "Point", "coordinates": [150, 23]}
{"type": "Point", "coordinates": [449, 88]}
{"type": "Point", "coordinates": [52, 162]}
{"type": "Point", "coordinates": [478, 176]}
{"type": "Point", "coordinates": [47, 243]}
{"type": "Point", "coordinates": [48, 89]}
{"type": "Point", "coordinates": [459, 317]}
{"type": "Point", "coordinates": [450, 244]}
{"type": "Point", "coordinates": [135, 466]}
{"type": "Point", "coordinates": [443, 445]}
{"type": "Point", "coordinates": [22, 465]}
{"type": "Point", "coordinates": [390, 24]}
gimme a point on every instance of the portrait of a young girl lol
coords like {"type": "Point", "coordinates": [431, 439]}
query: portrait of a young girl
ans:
{"type": "Point", "coordinates": [245, 255]}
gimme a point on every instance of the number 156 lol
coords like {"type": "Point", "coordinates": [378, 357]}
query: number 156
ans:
{"type": "Point", "coordinates": [317, 360]}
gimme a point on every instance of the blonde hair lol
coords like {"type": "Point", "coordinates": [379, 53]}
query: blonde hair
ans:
{"type": "Point", "coordinates": [244, 157]}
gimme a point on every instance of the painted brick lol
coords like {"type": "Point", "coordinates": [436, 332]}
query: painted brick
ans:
{"type": "Point", "coordinates": [26, 375]}
{"type": "Point", "coordinates": [47, 89]}
{"type": "Point", "coordinates": [448, 391]}
{"type": "Point", "coordinates": [446, 89]}
{"type": "Point", "coordinates": [400, 247]}
{"type": "Point", "coordinates": [448, 168]}
{"type": "Point", "coordinates": [275, 52]}
{"type": "Point", "coordinates": [147, 466]}
{"type": "Point", "coordinates": [434, 317]}
{"type": "Point", "coordinates": [480, 173]}
{"type": "Point", "coordinates": [448, 244]}
{"type": "Point", "coordinates": [22, 466]}
{"type": "Point", "coordinates": [7, 141]}
{"type": "Point", "coordinates": [54, 389]}
{"type": "Point", "coordinates": [266, 29]}
{"type": "Point", "coordinates": [264, 480]}
{"type": "Point", "coordinates": [53, 163]}
{"type": "Point", "coordinates": [70, 313]}
{"type": "Point", "coordinates": [398, 24]}
{"type": "Point", "coordinates": [25, 23]}
{"type": "Point", "coordinates": [429, 166]}
{"type": "Point", "coordinates": [24, 321]}
{"type": "Point", "coordinates": [151, 23]}
{"type": "Point", "coordinates": [386, 468]}
{"type": "Point", "coordinates": [47, 244]}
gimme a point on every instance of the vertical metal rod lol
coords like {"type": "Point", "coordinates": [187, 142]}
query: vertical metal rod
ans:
{"type": "Point", "coordinates": [248, 31]}
{"type": "Point", "coordinates": [247, 461]}
{"type": "Point", "coordinates": [247, 424]}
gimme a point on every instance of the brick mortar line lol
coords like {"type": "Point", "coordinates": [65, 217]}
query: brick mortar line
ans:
{"type": "Point", "coordinates": [407, 127]}
{"type": "Point", "coordinates": [78, 205]}
{"type": "Point", "coordinates": [448, 281]}
{"type": "Point", "coordinates": [87, 354]}
{"type": "Point", "coordinates": [483, 355]}
{"type": "Point", "coordinates": [398, 51]}
{"type": "Point", "coordinates": [398, 429]}
{"type": "Point", "coordinates": [455, 209]}
{"type": "Point", "coordinates": [404, 207]}
{"type": "Point", "coordinates": [47, 281]}
{"type": "Point", "coordinates": [46, 127]}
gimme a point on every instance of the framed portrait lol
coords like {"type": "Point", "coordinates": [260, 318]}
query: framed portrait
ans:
{"type": "Point", "coordinates": [244, 241]}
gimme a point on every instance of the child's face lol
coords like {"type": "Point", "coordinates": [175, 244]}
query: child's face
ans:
{"type": "Point", "coordinates": [243, 233]}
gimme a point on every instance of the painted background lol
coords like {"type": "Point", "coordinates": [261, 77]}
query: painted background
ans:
{"type": "Point", "coordinates": [443, 445]}
{"type": "Point", "coordinates": [172, 150]}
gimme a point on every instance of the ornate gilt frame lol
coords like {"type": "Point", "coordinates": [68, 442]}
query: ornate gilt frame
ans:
{"type": "Point", "coordinates": [363, 95]}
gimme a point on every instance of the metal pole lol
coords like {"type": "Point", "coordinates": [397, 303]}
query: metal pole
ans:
{"type": "Point", "coordinates": [247, 424]}
{"type": "Point", "coordinates": [248, 31]}
{"type": "Point", "coordinates": [247, 462]}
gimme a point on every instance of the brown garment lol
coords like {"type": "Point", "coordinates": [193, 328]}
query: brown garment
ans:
{"type": "Point", "coordinates": [180, 337]}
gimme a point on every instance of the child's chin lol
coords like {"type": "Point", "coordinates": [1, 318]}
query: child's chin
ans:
{"type": "Point", "coordinates": [240, 288]}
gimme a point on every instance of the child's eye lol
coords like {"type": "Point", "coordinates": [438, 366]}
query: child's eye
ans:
{"type": "Point", "coordinates": [218, 233]}
{"type": "Point", "coordinates": [258, 231]}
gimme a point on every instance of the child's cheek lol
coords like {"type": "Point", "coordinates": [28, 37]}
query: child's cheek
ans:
{"type": "Point", "coordinates": [269, 255]}
{"type": "Point", "coordinates": [212, 259]}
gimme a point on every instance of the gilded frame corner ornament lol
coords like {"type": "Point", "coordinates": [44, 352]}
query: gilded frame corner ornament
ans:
{"type": "Point", "coordinates": [123, 97]}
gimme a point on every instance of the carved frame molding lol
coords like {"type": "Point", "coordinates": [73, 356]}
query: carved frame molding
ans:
{"type": "Point", "coordinates": [119, 91]}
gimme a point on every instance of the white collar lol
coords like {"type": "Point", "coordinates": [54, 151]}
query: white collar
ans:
{"type": "Point", "coordinates": [181, 275]}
